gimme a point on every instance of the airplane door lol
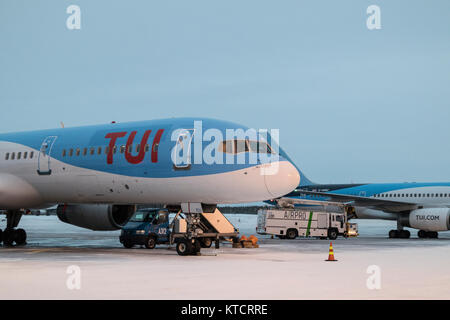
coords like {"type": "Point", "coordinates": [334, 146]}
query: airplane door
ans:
{"type": "Point", "coordinates": [181, 155]}
{"type": "Point", "coordinates": [44, 167]}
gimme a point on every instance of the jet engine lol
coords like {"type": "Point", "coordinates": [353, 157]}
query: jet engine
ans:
{"type": "Point", "coordinates": [97, 217]}
{"type": "Point", "coordinates": [428, 219]}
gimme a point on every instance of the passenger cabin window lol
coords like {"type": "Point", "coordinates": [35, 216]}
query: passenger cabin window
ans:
{"type": "Point", "coordinates": [31, 154]}
{"type": "Point", "coordinates": [25, 155]}
{"type": "Point", "coordinates": [64, 153]}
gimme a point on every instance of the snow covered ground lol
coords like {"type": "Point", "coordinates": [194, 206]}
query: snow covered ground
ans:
{"type": "Point", "coordinates": [279, 269]}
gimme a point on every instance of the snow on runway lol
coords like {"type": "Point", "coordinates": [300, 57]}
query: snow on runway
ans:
{"type": "Point", "coordinates": [279, 269]}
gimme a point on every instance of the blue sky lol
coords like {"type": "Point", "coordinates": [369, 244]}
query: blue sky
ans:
{"type": "Point", "coordinates": [353, 105]}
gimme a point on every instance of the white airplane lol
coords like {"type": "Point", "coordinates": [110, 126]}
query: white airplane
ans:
{"type": "Point", "coordinates": [98, 174]}
{"type": "Point", "coordinates": [422, 206]}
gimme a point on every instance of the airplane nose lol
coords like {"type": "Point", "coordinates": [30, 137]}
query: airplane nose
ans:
{"type": "Point", "coordinates": [281, 178]}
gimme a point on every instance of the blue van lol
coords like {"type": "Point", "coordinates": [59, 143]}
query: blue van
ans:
{"type": "Point", "coordinates": [147, 227]}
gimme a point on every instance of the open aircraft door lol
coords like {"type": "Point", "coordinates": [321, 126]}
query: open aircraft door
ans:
{"type": "Point", "coordinates": [182, 153]}
{"type": "Point", "coordinates": [44, 165]}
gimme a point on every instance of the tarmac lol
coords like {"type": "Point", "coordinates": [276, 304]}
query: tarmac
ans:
{"type": "Point", "coordinates": [61, 261]}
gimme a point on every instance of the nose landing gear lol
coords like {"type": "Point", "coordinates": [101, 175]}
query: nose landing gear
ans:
{"type": "Point", "coordinates": [12, 235]}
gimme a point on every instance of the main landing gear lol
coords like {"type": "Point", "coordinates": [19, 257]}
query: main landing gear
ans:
{"type": "Point", "coordinates": [427, 234]}
{"type": "Point", "coordinates": [405, 234]}
{"type": "Point", "coordinates": [402, 234]}
{"type": "Point", "coordinates": [12, 235]}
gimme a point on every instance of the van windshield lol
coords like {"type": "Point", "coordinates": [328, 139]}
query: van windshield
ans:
{"type": "Point", "coordinates": [143, 216]}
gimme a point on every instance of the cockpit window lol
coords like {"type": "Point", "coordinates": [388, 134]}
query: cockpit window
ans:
{"type": "Point", "coordinates": [260, 147]}
{"type": "Point", "coordinates": [239, 146]}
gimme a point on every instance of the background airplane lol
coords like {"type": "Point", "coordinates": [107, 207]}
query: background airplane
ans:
{"type": "Point", "coordinates": [98, 174]}
{"type": "Point", "coordinates": [422, 206]}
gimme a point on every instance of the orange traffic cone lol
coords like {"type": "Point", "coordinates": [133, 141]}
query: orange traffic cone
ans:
{"type": "Point", "coordinates": [331, 254]}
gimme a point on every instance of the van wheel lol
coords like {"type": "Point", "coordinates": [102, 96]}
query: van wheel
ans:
{"type": "Point", "coordinates": [128, 244]}
{"type": "Point", "coordinates": [332, 234]}
{"type": "Point", "coordinates": [1, 236]}
{"type": "Point", "coordinates": [150, 243]}
{"type": "Point", "coordinates": [291, 234]}
{"type": "Point", "coordinates": [184, 247]}
{"type": "Point", "coordinates": [206, 243]}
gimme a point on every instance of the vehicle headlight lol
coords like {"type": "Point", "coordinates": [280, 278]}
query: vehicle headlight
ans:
{"type": "Point", "coordinates": [140, 231]}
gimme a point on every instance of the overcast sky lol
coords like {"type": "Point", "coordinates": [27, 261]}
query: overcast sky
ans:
{"type": "Point", "coordinates": [352, 104]}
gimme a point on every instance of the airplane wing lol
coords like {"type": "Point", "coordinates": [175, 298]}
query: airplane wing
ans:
{"type": "Point", "coordinates": [358, 201]}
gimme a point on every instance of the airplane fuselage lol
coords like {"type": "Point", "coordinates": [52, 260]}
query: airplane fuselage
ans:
{"type": "Point", "coordinates": [127, 163]}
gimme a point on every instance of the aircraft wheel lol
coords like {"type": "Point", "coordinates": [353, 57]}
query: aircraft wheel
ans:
{"type": "Point", "coordinates": [184, 247]}
{"type": "Point", "coordinates": [393, 234]}
{"type": "Point", "coordinates": [20, 237]}
{"type": "Point", "coordinates": [432, 234]}
{"type": "Point", "coordinates": [8, 237]}
{"type": "Point", "coordinates": [404, 234]}
{"type": "Point", "coordinates": [150, 243]}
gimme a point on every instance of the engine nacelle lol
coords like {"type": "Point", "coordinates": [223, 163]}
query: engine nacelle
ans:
{"type": "Point", "coordinates": [97, 217]}
{"type": "Point", "coordinates": [429, 219]}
